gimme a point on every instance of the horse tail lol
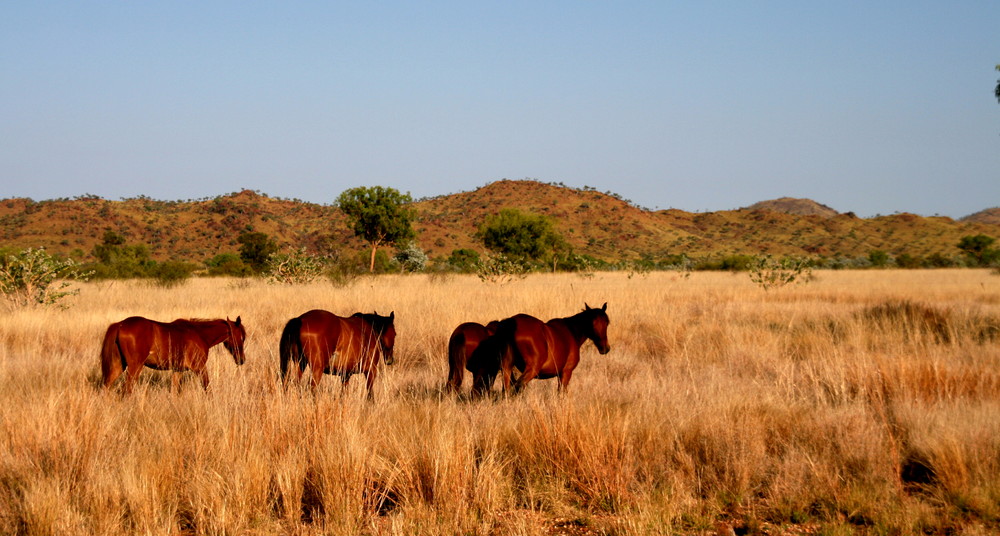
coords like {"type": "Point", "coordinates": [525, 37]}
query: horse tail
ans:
{"type": "Point", "coordinates": [506, 349]}
{"type": "Point", "coordinates": [112, 359]}
{"type": "Point", "coordinates": [456, 361]}
{"type": "Point", "coordinates": [290, 347]}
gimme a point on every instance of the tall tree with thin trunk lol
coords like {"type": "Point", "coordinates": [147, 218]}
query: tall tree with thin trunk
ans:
{"type": "Point", "coordinates": [380, 216]}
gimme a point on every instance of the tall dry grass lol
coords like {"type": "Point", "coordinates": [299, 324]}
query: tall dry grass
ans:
{"type": "Point", "coordinates": [862, 402]}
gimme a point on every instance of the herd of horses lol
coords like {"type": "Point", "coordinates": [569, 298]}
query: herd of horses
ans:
{"type": "Point", "coordinates": [331, 344]}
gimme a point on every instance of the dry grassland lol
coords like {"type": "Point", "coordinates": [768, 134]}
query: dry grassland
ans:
{"type": "Point", "coordinates": [862, 402]}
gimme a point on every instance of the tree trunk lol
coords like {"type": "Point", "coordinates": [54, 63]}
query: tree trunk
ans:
{"type": "Point", "coordinates": [371, 266]}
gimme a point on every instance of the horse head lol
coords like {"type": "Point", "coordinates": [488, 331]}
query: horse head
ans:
{"type": "Point", "coordinates": [385, 332]}
{"type": "Point", "coordinates": [234, 341]}
{"type": "Point", "coordinates": [597, 327]}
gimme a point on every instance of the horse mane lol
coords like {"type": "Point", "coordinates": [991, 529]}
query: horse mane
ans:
{"type": "Point", "coordinates": [377, 322]}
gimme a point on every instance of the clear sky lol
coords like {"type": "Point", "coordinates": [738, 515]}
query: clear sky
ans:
{"type": "Point", "coordinates": [874, 107]}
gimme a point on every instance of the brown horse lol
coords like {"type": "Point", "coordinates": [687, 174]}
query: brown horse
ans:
{"type": "Point", "coordinates": [179, 345]}
{"type": "Point", "coordinates": [461, 347]}
{"type": "Point", "coordinates": [337, 345]}
{"type": "Point", "coordinates": [544, 349]}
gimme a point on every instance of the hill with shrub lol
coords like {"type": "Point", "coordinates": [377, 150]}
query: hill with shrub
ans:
{"type": "Point", "coordinates": [600, 225]}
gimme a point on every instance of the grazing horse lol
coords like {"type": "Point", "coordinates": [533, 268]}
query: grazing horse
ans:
{"type": "Point", "coordinates": [544, 349]}
{"type": "Point", "coordinates": [337, 345]}
{"type": "Point", "coordinates": [461, 347]}
{"type": "Point", "coordinates": [179, 345]}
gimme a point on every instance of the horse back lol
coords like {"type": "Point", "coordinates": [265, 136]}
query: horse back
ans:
{"type": "Point", "coordinates": [319, 334]}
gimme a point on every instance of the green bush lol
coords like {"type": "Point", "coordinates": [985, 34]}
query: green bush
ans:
{"type": "Point", "coordinates": [463, 260]}
{"type": "Point", "coordinates": [172, 273]}
{"type": "Point", "coordinates": [227, 264]}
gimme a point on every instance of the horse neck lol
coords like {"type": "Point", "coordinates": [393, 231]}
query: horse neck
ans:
{"type": "Point", "coordinates": [580, 326]}
{"type": "Point", "coordinates": [211, 331]}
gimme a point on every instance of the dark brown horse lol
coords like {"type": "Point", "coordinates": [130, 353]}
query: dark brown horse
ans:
{"type": "Point", "coordinates": [461, 347]}
{"type": "Point", "coordinates": [337, 345]}
{"type": "Point", "coordinates": [178, 346]}
{"type": "Point", "coordinates": [544, 349]}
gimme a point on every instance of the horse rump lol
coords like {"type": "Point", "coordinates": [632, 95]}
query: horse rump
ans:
{"type": "Point", "coordinates": [456, 360]}
{"type": "Point", "coordinates": [112, 359]}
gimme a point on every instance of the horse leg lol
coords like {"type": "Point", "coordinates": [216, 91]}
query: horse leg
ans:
{"type": "Point", "coordinates": [317, 375]}
{"type": "Point", "coordinates": [481, 383]}
{"type": "Point", "coordinates": [131, 375]}
{"type": "Point", "coordinates": [370, 376]}
{"type": "Point", "coordinates": [204, 378]}
{"type": "Point", "coordinates": [175, 380]}
{"type": "Point", "coordinates": [111, 370]}
{"type": "Point", "coordinates": [530, 371]}
{"type": "Point", "coordinates": [564, 380]}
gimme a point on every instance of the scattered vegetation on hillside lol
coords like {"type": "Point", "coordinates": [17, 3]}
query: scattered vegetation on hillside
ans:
{"type": "Point", "coordinates": [591, 230]}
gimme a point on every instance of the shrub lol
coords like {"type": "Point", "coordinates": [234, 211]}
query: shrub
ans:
{"type": "Point", "coordinates": [878, 258]}
{"type": "Point", "coordinates": [768, 273]}
{"type": "Point", "coordinates": [295, 267]}
{"type": "Point", "coordinates": [464, 260]}
{"type": "Point", "coordinates": [227, 264]}
{"type": "Point", "coordinates": [33, 277]}
{"type": "Point", "coordinates": [172, 273]}
{"type": "Point", "coordinates": [411, 258]}
{"type": "Point", "coordinates": [500, 269]}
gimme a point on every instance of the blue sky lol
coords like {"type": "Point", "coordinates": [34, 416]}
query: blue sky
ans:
{"type": "Point", "coordinates": [871, 107]}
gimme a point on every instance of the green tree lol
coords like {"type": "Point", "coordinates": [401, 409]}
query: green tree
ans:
{"type": "Point", "coordinates": [520, 237]}
{"type": "Point", "coordinates": [463, 260]}
{"type": "Point", "coordinates": [878, 258]}
{"type": "Point", "coordinates": [977, 249]}
{"type": "Point", "coordinates": [118, 259]}
{"type": "Point", "coordinates": [227, 264]}
{"type": "Point", "coordinates": [256, 249]}
{"type": "Point", "coordinates": [379, 215]}
{"type": "Point", "coordinates": [997, 90]}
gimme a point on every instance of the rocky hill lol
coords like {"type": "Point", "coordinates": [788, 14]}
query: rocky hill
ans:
{"type": "Point", "coordinates": [598, 224]}
{"type": "Point", "coordinates": [791, 205]}
{"type": "Point", "coordinates": [990, 216]}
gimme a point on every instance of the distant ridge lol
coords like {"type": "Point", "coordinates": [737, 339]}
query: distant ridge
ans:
{"type": "Point", "coordinates": [990, 216]}
{"type": "Point", "coordinates": [795, 206]}
{"type": "Point", "coordinates": [598, 224]}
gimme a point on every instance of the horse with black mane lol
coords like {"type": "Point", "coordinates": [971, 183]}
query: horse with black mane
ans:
{"type": "Point", "coordinates": [332, 344]}
{"type": "Point", "coordinates": [542, 349]}
{"type": "Point", "coordinates": [178, 346]}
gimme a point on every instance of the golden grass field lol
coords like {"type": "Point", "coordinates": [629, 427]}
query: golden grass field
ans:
{"type": "Point", "coordinates": [862, 402]}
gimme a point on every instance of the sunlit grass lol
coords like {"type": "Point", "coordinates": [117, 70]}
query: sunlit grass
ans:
{"type": "Point", "coordinates": [719, 402]}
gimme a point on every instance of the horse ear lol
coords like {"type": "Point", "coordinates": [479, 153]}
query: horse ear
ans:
{"type": "Point", "coordinates": [238, 320]}
{"type": "Point", "coordinates": [392, 315]}
{"type": "Point", "coordinates": [605, 306]}
{"type": "Point", "coordinates": [585, 306]}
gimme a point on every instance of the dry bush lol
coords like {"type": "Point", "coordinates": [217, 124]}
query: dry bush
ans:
{"type": "Point", "coordinates": [837, 407]}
